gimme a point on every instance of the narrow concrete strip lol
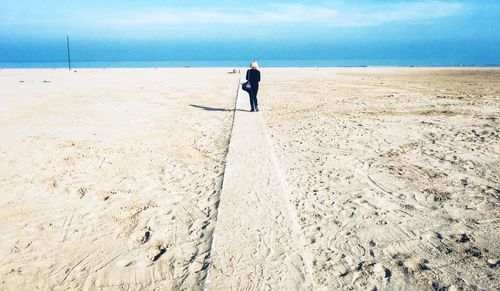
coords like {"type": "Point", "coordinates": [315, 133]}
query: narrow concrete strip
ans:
{"type": "Point", "coordinates": [255, 243]}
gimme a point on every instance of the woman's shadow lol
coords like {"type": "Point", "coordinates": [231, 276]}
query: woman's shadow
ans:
{"type": "Point", "coordinates": [214, 108]}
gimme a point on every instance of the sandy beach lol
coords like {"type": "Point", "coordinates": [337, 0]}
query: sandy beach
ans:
{"type": "Point", "coordinates": [160, 179]}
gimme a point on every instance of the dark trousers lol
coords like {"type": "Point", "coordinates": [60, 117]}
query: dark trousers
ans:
{"type": "Point", "coordinates": [253, 96]}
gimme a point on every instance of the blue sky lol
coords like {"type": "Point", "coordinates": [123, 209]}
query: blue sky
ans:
{"type": "Point", "coordinates": [309, 29]}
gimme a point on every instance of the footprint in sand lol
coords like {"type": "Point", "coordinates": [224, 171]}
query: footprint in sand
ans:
{"type": "Point", "coordinates": [381, 272]}
{"type": "Point", "coordinates": [153, 253]}
{"type": "Point", "coordinates": [139, 238]}
{"type": "Point", "coordinates": [416, 264]}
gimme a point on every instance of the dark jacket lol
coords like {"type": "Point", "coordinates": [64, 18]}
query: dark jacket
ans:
{"type": "Point", "coordinates": [253, 76]}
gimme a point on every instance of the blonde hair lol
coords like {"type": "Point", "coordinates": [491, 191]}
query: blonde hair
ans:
{"type": "Point", "coordinates": [254, 65]}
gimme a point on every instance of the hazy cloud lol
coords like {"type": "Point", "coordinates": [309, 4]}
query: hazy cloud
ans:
{"type": "Point", "coordinates": [359, 15]}
{"type": "Point", "coordinates": [168, 20]}
{"type": "Point", "coordinates": [335, 14]}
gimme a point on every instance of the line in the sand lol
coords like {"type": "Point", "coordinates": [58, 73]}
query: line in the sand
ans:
{"type": "Point", "coordinates": [292, 211]}
{"type": "Point", "coordinates": [223, 177]}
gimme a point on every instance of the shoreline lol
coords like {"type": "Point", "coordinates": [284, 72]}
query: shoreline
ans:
{"type": "Point", "coordinates": [265, 68]}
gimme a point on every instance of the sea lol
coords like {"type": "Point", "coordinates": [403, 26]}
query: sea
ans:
{"type": "Point", "coordinates": [438, 62]}
{"type": "Point", "coordinates": [52, 53]}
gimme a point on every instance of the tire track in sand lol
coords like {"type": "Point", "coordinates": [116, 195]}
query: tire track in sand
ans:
{"type": "Point", "coordinates": [256, 244]}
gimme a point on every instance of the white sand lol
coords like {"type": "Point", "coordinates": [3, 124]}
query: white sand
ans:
{"type": "Point", "coordinates": [395, 173]}
{"type": "Point", "coordinates": [347, 179]}
{"type": "Point", "coordinates": [102, 170]}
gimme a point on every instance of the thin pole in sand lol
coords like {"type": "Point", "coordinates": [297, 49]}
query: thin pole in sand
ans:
{"type": "Point", "coordinates": [69, 56]}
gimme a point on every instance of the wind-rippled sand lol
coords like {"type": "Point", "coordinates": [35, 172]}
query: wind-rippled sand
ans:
{"type": "Point", "coordinates": [348, 178]}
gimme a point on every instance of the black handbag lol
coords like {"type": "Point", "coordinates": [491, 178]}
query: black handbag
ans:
{"type": "Point", "coordinates": [246, 86]}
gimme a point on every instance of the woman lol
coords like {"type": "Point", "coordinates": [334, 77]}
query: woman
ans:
{"type": "Point", "coordinates": [253, 77]}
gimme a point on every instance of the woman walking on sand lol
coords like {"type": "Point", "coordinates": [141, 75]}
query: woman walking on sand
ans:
{"type": "Point", "coordinates": [253, 77]}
